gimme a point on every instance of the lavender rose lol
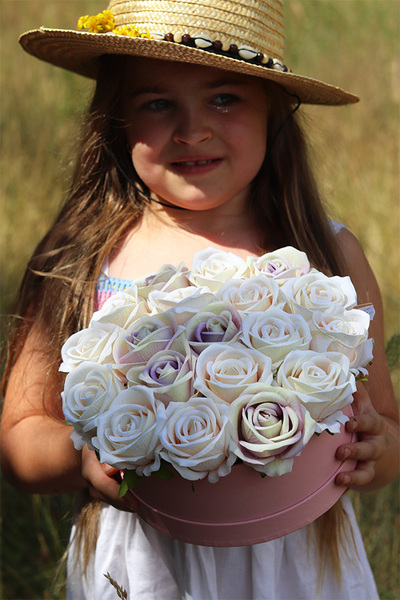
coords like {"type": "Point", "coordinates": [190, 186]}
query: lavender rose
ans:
{"type": "Point", "coordinates": [142, 339]}
{"type": "Point", "coordinates": [168, 373]}
{"type": "Point", "coordinates": [269, 427]}
{"type": "Point", "coordinates": [219, 322]}
{"type": "Point", "coordinates": [280, 265]}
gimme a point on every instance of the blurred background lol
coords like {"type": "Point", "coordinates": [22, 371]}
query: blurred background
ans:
{"type": "Point", "coordinates": [350, 43]}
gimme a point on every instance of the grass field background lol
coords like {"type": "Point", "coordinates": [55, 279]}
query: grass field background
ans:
{"type": "Point", "coordinates": [351, 43]}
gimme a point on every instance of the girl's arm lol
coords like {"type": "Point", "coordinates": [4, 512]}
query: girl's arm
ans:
{"type": "Point", "coordinates": [376, 413]}
{"type": "Point", "coordinates": [37, 453]}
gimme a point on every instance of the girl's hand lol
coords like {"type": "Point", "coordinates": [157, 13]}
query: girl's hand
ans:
{"type": "Point", "coordinates": [371, 430]}
{"type": "Point", "coordinates": [102, 483]}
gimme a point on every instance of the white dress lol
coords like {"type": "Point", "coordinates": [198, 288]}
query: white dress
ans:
{"type": "Point", "coordinates": [152, 566]}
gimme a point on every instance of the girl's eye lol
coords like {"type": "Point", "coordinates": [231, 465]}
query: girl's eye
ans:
{"type": "Point", "coordinates": [224, 101]}
{"type": "Point", "coordinates": [157, 105]}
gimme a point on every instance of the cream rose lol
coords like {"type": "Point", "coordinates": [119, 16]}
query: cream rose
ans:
{"type": "Point", "coordinates": [128, 432]}
{"type": "Point", "coordinates": [212, 267]}
{"type": "Point", "coordinates": [275, 333]}
{"type": "Point", "coordinates": [323, 382]}
{"type": "Point", "coordinates": [223, 372]}
{"type": "Point", "coordinates": [195, 439]}
{"type": "Point", "coordinates": [218, 322]}
{"type": "Point", "coordinates": [318, 292]}
{"type": "Point", "coordinates": [167, 278]}
{"type": "Point", "coordinates": [168, 373]}
{"type": "Point", "coordinates": [94, 344]}
{"type": "Point", "coordinates": [256, 294]}
{"type": "Point", "coordinates": [269, 427]}
{"type": "Point", "coordinates": [121, 309]}
{"type": "Point", "coordinates": [89, 390]}
{"type": "Point", "coordinates": [281, 264]}
{"type": "Point", "coordinates": [160, 300]}
{"type": "Point", "coordinates": [345, 331]}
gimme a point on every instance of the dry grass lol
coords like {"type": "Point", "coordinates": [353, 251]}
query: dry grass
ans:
{"type": "Point", "coordinates": [352, 43]}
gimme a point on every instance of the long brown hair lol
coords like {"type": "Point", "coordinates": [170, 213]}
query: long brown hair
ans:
{"type": "Point", "coordinates": [102, 206]}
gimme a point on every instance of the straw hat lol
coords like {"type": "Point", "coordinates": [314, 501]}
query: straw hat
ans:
{"type": "Point", "coordinates": [245, 36]}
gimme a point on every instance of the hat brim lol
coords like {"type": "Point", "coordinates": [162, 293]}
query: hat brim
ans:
{"type": "Point", "coordinates": [79, 51]}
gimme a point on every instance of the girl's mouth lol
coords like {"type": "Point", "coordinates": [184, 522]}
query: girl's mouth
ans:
{"type": "Point", "coordinates": [199, 166]}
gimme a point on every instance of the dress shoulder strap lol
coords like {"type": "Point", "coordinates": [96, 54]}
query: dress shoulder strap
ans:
{"type": "Point", "coordinates": [336, 227]}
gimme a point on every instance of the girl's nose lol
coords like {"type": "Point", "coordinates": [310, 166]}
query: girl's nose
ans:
{"type": "Point", "coordinates": [192, 128]}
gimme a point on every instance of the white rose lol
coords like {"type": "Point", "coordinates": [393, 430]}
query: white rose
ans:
{"type": "Point", "coordinates": [323, 382]}
{"type": "Point", "coordinates": [89, 390]}
{"type": "Point", "coordinates": [212, 267]}
{"type": "Point", "coordinates": [160, 300]}
{"type": "Point", "coordinates": [316, 291]}
{"type": "Point", "coordinates": [345, 331]}
{"type": "Point", "coordinates": [218, 322]}
{"type": "Point", "coordinates": [94, 344]}
{"type": "Point", "coordinates": [121, 308]}
{"type": "Point", "coordinates": [166, 278]}
{"type": "Point", "coordinates": [281, 264]}
{"type": "Point", "coordinates": [195, 439]}
{"type": "Point", "coordinates": [168, 373]}
{"type": "Point", "coordinates": [269, 427]}
{"type": "Point", "coordinates": [223, 372]}
{"type": "Point", "coordinates": [275, 333]}
{"type": "Point", "coordinates": [256, 294]}
{"type": "Point", "coordinates": [128, 433]}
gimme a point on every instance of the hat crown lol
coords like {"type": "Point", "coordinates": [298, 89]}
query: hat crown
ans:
{"type": "Point", "coordinates": [254, 23]}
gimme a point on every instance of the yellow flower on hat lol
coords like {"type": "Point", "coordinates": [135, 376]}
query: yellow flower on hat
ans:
{"type": "Point", "coordinates": [100, 23]}
{"type": "Point", "coordinates": [104, 23]}
{"type": "Point", "coordinates": [131, 31]}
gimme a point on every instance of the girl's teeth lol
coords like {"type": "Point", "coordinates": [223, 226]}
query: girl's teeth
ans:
{"type": "Point", "coordinates": [191, 163]}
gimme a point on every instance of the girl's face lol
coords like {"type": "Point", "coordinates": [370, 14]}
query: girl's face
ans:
{"type": "Point", "coordinates": [197, 134]}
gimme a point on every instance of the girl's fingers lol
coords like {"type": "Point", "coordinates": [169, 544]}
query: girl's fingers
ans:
{"type": "Point", "coordinates": [371, 423]}
{"type": "Point", "coordinates": [371, 429]}
{"type": "Point", "coordinates": [102, 483]}
{"type": "Point", "coordinates": [361, 451]}
{"type": "Point", "coordinates": [362, 475]}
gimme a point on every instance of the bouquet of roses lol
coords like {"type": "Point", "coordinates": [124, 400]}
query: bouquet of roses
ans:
{"type": "Point", "coordinates": [231, 360]}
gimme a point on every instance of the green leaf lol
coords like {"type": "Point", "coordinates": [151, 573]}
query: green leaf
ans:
{"type": "Point", "coordinates": [393, 352]}
{"type": "Point", "coordinates": [131, 478]}
{"type": "Point", "coordinates": [163, 472]}
{"type": "Point", "coordinates": [262, 475]}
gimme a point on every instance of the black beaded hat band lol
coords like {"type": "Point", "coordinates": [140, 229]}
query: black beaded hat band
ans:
{"type": "Point", "coordinates": [244, 36]}
{"type": "Point", "coordinates": [233, 50]}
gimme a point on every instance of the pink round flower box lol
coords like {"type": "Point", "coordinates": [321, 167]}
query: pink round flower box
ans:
{"type": "Point", "coordinates": [243, 508]}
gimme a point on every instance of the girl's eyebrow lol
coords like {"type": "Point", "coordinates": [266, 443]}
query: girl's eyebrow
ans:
{"type": "Point", "coordinates": [152, 89]}
{"type": "Point", "coordinates": [226, 82]}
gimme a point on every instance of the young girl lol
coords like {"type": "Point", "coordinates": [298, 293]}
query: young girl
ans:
{"type": "Point", "coordinates": [192, 140]}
